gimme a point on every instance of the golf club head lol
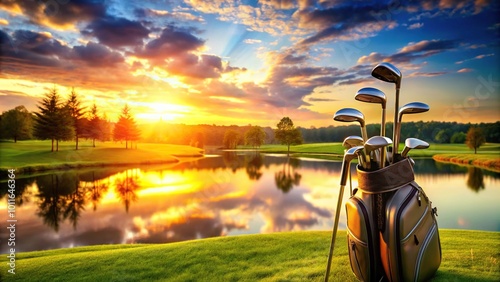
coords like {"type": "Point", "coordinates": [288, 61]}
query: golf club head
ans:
{"type": "Point", "coordinates": [413, 108]}
{"type": "Point", "coordinates": [350, 115]}
{"type": "Point", "coordinates": [352, 141]}
{"type": "Point", "coordinates": [413, 143]}
{"type": "Point", "coordinates": [388, 73]}
{"type": "Point", "coordinates": [349, 155]}
{"type": "Point", "coordinates": [371, 95]}
{"type": "Point", "coordinates": [375, 143]}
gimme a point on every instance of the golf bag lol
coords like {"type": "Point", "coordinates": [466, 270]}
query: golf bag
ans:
{"type": "Point", "coordinates": [392, 230]}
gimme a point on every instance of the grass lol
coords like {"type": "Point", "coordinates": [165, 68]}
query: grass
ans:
{"type": "Point", "coordinates": [491, 162]}
{"type": "Point", "coordinates": [290, 256]}
{"type": "Point", "coordinates": [30, 156]}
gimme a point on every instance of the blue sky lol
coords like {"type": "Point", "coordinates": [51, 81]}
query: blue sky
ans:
{"type": "Point", "coordinates": [252, 62]}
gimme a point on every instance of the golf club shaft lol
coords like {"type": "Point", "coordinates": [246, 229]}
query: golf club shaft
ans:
{"type": "Point", "coordinates": [382, 133]}
{"type": "Point", "coordinates": [395, 126]}
{"type": "Point", "coordinates": [334, 234]}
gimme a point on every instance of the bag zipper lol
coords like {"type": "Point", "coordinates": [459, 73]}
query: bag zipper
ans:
{"type": "Point", "coordinates": [369, 233]}
{"type": "Point", "coordinates": [398, 235]}
{"type": "Point", "coordinates": [423, 249]}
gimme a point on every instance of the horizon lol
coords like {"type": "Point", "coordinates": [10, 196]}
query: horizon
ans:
{"type": "Point", "coordinates": [192, 62]}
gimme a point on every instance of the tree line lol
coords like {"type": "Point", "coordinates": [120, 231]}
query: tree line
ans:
{"type": "Point", "coordinates": [59, 120]}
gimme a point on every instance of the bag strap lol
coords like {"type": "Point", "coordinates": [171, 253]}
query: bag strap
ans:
{"type": "Point", "coordinates": [387, 179]}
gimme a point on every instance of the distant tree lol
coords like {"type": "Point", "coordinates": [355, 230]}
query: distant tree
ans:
{"type": "Point", "coordinates": [94, 125]}
{"type": "Point", "coordinates": [475, 138]}
{"type": "Point", "coordinates": [53, 121]}
{"type": "Point", "coordinates": [16, 124]}
{"type": "Point", "coordinates": [458, 138]}
{"type": "Point", "coordinates": [76, 111]}
{"type": "Point", "coordinates": [287, 134]}
{"type": "Point", "coordinates": [231, 139]}
{"type": "Point", "coordinates": [125, 128]}
{"type": "Point", "coordinates": [255, 136]}
{"type": "Point", "coordinates": [442, 136]}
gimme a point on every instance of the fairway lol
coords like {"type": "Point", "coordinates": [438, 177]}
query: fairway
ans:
{"type": "Point", "coordinates": [288, 256]}
{"type": "Point", "coordinates": [29, 156]}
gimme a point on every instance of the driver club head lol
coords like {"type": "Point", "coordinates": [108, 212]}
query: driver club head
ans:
{"type": "Point", "coordinates": [412, 108]}
{"type": "Point", "coordinates": [371, 95]}
{"type": "Point", "coordinates": [350, 115]}
{"type": "Point", "coordinates": [413, 143]}
{"type": "Point", "coordinates": [388, 73]}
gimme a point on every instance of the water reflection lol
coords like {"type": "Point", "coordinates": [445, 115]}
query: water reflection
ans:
{"type": "Point", "coordinates": [218, 196]}
{"type": "Point", "coordinates": [285, 179]}
{"type": "Point", "coordinates": [475, 179]}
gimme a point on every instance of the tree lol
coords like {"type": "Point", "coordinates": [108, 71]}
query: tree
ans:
{"type": "Point", "coordinates": [458, 138]}
{"type": "Point", "coordinates": [125, 128]}
{"type": "Point", "coordinates": [76, 111]}
{"type": "Point", "coordinates": [255, 136]}
{"type": "Point", "coordinates": [16, 124]}
{"type": "Point", "coordinates": [475, 138]}
{"type": "Point", "coordinates": [53, 121]}
{"type": "Point", "coordinates": [94, 125]}
{"type": "Point", "coordinates": [287, 134]}
{"type": "Point", "coordinates": [231, 139]}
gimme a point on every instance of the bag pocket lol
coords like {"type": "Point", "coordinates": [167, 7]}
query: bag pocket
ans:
{"type": "Point", "coordinates": [363, 247]}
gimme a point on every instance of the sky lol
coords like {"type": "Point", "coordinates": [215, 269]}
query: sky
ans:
{"type": "Point", "coordinates": [252, 62]}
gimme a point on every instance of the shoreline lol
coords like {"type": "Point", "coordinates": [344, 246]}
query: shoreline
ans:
{"type": "Point", "coordinates": [479, 161]}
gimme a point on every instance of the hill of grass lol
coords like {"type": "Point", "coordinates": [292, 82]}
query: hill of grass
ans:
{"type": "Point", "coordinates": [30, 156]}
{"type": "Point", "coordinates": [290, 256]}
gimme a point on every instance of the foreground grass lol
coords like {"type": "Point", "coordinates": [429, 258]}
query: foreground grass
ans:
{"type": "Point", "coordinates": [292, 256]}
{"type": "Point", "coordinates": [29, 156]}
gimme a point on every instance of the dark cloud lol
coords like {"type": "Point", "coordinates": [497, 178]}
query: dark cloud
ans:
{"type": "Point", "coordinates": [342, 21]}
{"type": "Point", "coordinates": [117, 32]}
{"type": "Point", "coordinates": [413, 51]}
{"type": "Point", "coordinates": [172, 42]}
{"type": "Point", "coordinates": [97, 55]}
{"type": "Point", "coordinates": [57, 13]}
{"type": "Point", "coordinates": [39, 43]}
{"type": "Point", "coordinates": [290, 59]}
{"type": "Point", "coordinates": [312, 99]}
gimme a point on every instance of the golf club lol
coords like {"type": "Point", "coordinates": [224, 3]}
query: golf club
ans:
{"type": "Point", "coordinates": [373, 95]}
{"type": "Point", "coordinates": [377, 142]}
{"type": "Point", "coordinates": [389, 73]}
{"type": "Point", "coordinates": [351, 154]}
{"type": "Point", "coordinates": [413, 143]}
{"type": "Point", "coordinates": [350, 115]}
{"type": "Point", "coordinates": [410, 108]}
{"type": "Point", "coordinates": [353, 141]}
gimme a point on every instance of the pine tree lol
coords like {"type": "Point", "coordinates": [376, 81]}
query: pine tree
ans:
{"type": "Point", "coordinates": [76, 112]}
{"type": "Point", "coordinates": [53, 121]}
{"type": "Point", "coordinates": [125, 128]}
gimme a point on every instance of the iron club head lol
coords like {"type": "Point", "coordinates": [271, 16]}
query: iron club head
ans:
{"type": "Point", "coordinates": [349, 155]}
{"type": "Point", "coordinates": [413, 143]}
{"type": "Point", "coordinates": [377, 142]}
{"type": "Point", "coordinates": [371, 95]}
{"type": "Point", "coordinates": [412, 108]}
{"type": "Point", "coordinates": [352, 141]}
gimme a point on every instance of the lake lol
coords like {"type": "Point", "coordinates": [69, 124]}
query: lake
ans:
{"type": "Point", "coordinates": [231, 194]}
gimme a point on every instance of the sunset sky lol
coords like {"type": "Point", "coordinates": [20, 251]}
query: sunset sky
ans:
{"type": "Point", "coordinates": [252, 62]}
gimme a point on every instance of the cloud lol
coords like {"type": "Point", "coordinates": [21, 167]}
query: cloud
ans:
{"type": "Point", "coordinates": [464, 70]}
{"type": "Point", "coordinates": [411, 52]}
{"type": "Point", "coordinates": [478, 57]}
{"type": "Point", "coordinates": [415, 26]}
{"type": "Point", "coordinates": [98, 55]}
{"type": "Point", "coordinates": [252, 41]}
{"type": "Point", "coordinates": [172, 42]}
{"type": "Point", "coordinates": [322, 100]}
{"type": "Point", "coordinates": [177, 15]}
{"type": "Point", "coordinates": [343, 22]}
{"type": "Point", "coordinates": [117, 32]}
{"type": "Point", "coordinates": [57, 14]}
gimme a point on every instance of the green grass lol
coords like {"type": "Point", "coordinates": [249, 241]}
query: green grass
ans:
{"type": "Point", "coordinates": [291, 256]}
{"type": "Point", "coordinates": [32, 156]}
